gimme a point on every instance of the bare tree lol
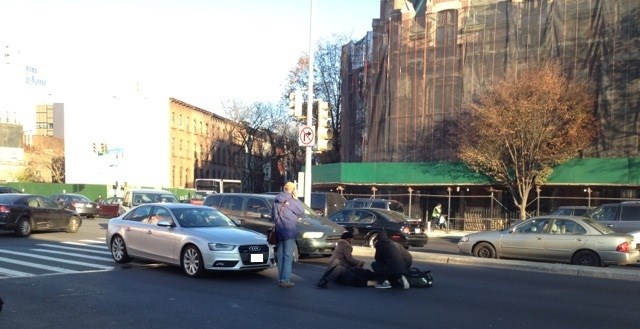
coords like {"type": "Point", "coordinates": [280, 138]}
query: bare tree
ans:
{"type": "Point", "coordinates": [523, 126]}
{"type": "Point", "coordinates": [327, 84]}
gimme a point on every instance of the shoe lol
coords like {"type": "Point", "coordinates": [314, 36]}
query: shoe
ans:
{"type": "Point", "coordinates": [322, 284]}
{"type": "Point", "coordinates": [383, 285]}
{"type": "Point", "coordinates": [287, 284]}
{"type": "Point", "coordinates": [405, 283]}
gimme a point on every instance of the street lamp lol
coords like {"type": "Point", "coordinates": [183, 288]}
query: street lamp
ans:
{"type": "Point", "coordinates": [340, 189]}
{"type": "Point", "coordinates": [374, 189]}
{"type": "Point", "coordinates": [588, 190]}
{"type": "Point", "coordinates": [538, 190]}
{"type": "Point", "coordinates": [449, 189]}
{"type": "Point", "coordinates": [410, 191]}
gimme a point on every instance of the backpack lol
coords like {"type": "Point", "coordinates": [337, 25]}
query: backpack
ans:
{"type": "Point", "coordinates": [419, 279]}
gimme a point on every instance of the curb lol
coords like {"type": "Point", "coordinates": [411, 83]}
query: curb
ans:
{"type": "Point", "coordinates": [564, 269]}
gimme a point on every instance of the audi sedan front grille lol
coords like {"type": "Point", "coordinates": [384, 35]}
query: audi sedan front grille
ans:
{"type": "Point", "coordinates": [246, 251]}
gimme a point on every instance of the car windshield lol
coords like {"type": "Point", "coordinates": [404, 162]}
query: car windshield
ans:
{"type": "Point", "coordinates": [151, 197]}
{"type": "Point", "coordinates": [598, 226]}
{"type": "Point", "coordinates": [201, 217]}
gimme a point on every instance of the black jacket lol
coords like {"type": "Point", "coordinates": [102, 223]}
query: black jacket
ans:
{"type": "Point", "coordinates": [392, 258]}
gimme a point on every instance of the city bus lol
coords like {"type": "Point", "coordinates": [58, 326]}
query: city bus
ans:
{"type": "Point", "coordinates": [218, 185]}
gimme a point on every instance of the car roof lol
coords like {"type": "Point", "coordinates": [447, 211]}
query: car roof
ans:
{"type": "Point", "coordinates": [174, 205]}
{"type": "Point", "coordinates": [260, 195]}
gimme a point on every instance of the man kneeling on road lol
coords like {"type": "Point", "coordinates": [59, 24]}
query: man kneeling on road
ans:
{"type": "Point", "coordinates": [392, 262]}
{"type": "Point", "coordinates": [343, 268]}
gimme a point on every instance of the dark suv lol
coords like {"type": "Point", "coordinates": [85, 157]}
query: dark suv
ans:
{"type": "Point", "coordinates": [316, 234]}
{"type": "Point", "coordinates": [326, 203]}
{"type": "Point", "coordinates": [622, 217]}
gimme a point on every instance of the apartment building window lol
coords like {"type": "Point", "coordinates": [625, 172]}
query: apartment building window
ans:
{"type": "Point", "coordinates": [173, 146]}
{"type": "Point", "coordinates": [201, 128]}
{"type": "Point", "coordinates": [180, 151]}
{"type": "Point", "coordinates": [180, 120]}
{"type": "Point", "coordinates": [195, 130]}
{"type": "Point", "coordinates": [446, 32]}
{"type": "Point", "coordinates": [186, 123]}
{"type": "Point", "coordinates": [173, 119]}
{"type": "Point", "coordinates": [180, 183]}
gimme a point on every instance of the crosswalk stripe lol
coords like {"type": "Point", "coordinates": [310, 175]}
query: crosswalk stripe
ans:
{"type": "Point", "coordinates": [100, 246]}
{"type": "Point", "coordinates": [40, 266]}
{"type": "Point", "coordinates": [99, 241]}
{"type": "Point", "coordinates": [57, 260]}
{"type": "Point", "coordinates": [74, 254]}
{"type": "Point", "coordinates": [9, 272]}
{"type": "Point", "coordinates": [75, 249]}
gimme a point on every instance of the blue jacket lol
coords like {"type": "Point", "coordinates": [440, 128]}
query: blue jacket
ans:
{"type": "Point", "coordinates": [286, 211]}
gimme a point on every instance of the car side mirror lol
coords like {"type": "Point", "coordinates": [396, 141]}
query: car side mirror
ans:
{"type": "Point", "coordinates": [166, 223]}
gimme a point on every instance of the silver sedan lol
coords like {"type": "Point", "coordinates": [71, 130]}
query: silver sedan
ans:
{"type": "Point", "coordinates": [564, 239]}
{"type": "Point", "coordinates": [194, 237]}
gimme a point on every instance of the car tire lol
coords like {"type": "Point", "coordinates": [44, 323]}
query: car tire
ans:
{"type": "Point", "coordinates": [484, 250]}
{"type": "Point", "coordinates": [119, 250]}
{"type": "Point", "coordinates": [73, 226]}
{"type": "Point", "coordinates": [372, 240]}
{"type": "Point", "coordinates": [586, 258]}
{"type": "Point", "coordinates": [192, 262]}
{"type": "Point", "coordinates": [24, 228]}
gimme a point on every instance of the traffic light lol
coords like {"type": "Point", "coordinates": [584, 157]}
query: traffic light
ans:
{"type": "Point", "coordinates": [324, 132]}
{"type": "Point", "coordinates": [104, 148]}
{"type": "Point", "coordinates": [94, 148]}
{"type": "Point", "coordinates": [295, 104]}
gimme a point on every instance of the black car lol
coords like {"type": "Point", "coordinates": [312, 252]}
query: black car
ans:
{"type": "Point", "coordinates": [8, 189]}
{"type": "Point", "coordinates": [24, 213]}
{"type": "Point", "coordinates": [365, 223]}
{"type": "Point", "coordinates": [78, 203]}
{"type": "Point", "coordinates": [572, 211]}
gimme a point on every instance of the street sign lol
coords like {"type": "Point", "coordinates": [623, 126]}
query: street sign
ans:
{"type": "Point", "coordinates": [306, 136]}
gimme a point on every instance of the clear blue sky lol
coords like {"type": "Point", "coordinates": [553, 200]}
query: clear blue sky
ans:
{"type": "Point", "coordinates": [199, 51]}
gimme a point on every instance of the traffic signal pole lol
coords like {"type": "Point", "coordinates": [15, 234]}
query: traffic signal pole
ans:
{"type": "Point", "coordinates": [309, 151]}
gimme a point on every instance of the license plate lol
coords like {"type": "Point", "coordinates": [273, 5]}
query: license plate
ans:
{"type": "Point", "coordinates": [89, 206]}
{"type": "Point", "coordinates": [418, 231]}
{"type": "Point", "coordinates": [257, 258]}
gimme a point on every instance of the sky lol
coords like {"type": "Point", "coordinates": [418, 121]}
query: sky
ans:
{"type": "Point", "coordinates": [202, 52]}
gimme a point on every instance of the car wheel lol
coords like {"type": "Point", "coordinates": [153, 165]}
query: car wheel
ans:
{"type": "Point", "coordinates": [119, 250]}
{"type": "Point", "coordinates": [192, 263]}
{"type": "Point", "coordinates": [484, 250]}
{"type": "Point", "coordinates": [24, 228]}
{"type": "Point", "coordinates": [74, 225]}
{"type": "Point", "coordinates": [373, 239]}
{"type": "Point", "coordinates": [586, 258]}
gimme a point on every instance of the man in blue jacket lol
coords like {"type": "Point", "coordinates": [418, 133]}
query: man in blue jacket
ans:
{"type": "Point", "coordinates": [287, 210]}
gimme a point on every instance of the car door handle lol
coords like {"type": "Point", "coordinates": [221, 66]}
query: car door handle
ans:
{"type": "Point", "coordinates": [127, 228]}
{"type": "Point", "coordinates": [578, 240]}
{"type": "Point", "coordinates": [148, 231]}
{"type": "Point", "coordinates": [538, 238]}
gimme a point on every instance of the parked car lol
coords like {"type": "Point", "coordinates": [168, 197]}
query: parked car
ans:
{"type": "Point", "coordinates": [109, 207]}
{"type": "Point", "coordinates": [565, 239]}
{"type": "Point", "coordinates": [316, 235]}
{"type": "Point", "coordinates": [137, 197]}
{"type": "Point", "coordinates": [326, 203]}
{"type": "Point", "coordinates": [196, 238]}
{"type": "Point", "coordinates": [375, 203]}
{"type": "Point", "coordinates": [8, 189]}
{"type": "Point", "coordinates": [623, 217]}
{"type": "Point", "coordinates": [25, 213]}
{"type": "Point", "coordinates": [366, 223]}
{"type": "Point", "coordinates": [572, 211]}
{"type": "Point", "coordinates": [77, 202]}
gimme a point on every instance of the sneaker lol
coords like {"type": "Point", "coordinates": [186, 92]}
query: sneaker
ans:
{"type": "Point", "coordinates": [405, 283]}
{"type": "Point", "coordinates": [287, 284]}
{"type": "Point", "coordinates": [383, 285]}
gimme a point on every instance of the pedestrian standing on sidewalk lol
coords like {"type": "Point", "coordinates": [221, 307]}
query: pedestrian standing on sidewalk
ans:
{"type": "Point", "coordinates": [287, 210]}
{"type": "Point", "coordinates": [435, 215]}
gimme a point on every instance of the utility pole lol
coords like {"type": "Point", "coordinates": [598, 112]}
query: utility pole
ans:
{"type": "Point", "coordinates": [309, 151]}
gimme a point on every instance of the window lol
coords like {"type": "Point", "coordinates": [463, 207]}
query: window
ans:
{"type": "Point", "coordinates": [180, 120]}
{"type": "Point", "coordinates": [630, 213]}
{"type": "Point", "coordinates": [256, 208]}
{"type": "Point", "coordinates": [139, 214]}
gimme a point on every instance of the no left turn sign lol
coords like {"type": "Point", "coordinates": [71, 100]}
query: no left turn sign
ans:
{"type": "Point", "coordinates": [306, 136]}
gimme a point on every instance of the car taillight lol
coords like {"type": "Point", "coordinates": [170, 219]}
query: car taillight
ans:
{"type": "Point", "coordinates": [623, 247]}
{"type": "Point", "coordinates": [4, 209]}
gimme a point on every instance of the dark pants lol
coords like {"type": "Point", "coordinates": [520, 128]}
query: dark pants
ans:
{"type": "Point", "coordinates": [348, 276]}
{"type": "Point", "coordinates": [383, 273]}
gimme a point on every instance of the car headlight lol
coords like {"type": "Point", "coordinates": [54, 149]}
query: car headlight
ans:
{"type": "Point", "coordinates": [221, 247]}
{"type": "Point", "coordinates": [312, 235]}
{"type": "Point", "coordinates": [464, 239]}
